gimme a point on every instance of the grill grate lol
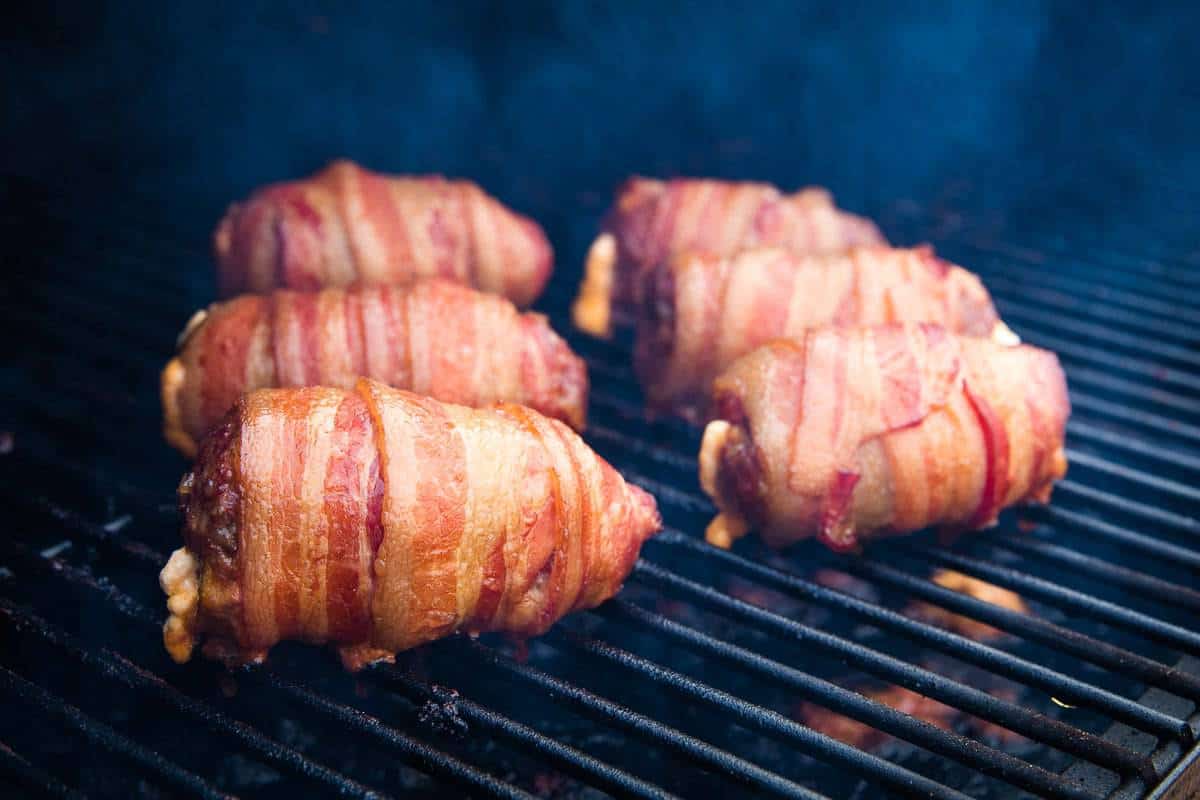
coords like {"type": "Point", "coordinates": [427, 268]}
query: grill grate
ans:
{"type": "Point", "coordinates": [687, 682]}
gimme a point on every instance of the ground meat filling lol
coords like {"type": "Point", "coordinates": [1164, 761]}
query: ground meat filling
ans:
{"type": "Point", "coordinates": [209, 501]}
{"type": "Point", "coordinates": [656, 334]}
{"type": "Point", "coordinates": [741, 479]}
{"type": "Point", "coordinates": [210, 504]}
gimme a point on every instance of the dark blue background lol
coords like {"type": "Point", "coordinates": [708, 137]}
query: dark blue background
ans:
{"type": "Point", "coordinates": [1037, 110]}
{"type": "Point", "coordinates": [128, 128]}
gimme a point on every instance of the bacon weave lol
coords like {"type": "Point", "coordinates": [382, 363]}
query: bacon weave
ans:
{"type": "Point", "coordinates": [850, 434]}
{"type": "Point", "coordinates": [653, 220]}
{"type": "Point", "coordinates": [434, 337]}
{"type": "Point", "coordinates": [376, 519]}
{"type": "Point", "coordinates": [699, 313]}
{"type": "Point", "coordinates": [347, 225]}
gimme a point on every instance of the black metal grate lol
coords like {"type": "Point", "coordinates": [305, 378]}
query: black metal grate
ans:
{"type": "Point", "coordinates": [689, 683]}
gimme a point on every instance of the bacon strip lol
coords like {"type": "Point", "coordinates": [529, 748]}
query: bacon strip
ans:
{"type": "Point", "coordinates": [652, 221]}
{"type": "Point", "coordinates": [856, 433]}
{"type": "Point", "coordinates": [699, 313]}
{"type": "Point", "coordinates": [348, 225]}
{"type": "Point", "coordinates": [376, 519]}
{"type": "Point", "coordinates": [434, 337]}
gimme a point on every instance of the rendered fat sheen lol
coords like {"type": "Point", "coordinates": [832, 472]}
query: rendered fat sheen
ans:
{"type": "Point", "coordinates": [916, 428]}
{"type": "Point", "coordinates": [348, 225]}
{"type": "Point", "coordinates": [699, 312]}
{"type": "Point", "coordinates": [376, 519]}
{"type": "Point", "coordinates": [486, 352]}
{"type": "Point", "coordinates": [653, 220]}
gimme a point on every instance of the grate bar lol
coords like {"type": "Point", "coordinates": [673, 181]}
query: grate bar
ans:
{"type": "Point", "coordinates": [1133, 475]}
{"type": "Point", "coordinates": [97, 353]}
{"type": "Point", "coordinates": [1091, 332]}
{"type": "Point", "coordinates": [1151, 393]}
{"type": "Point", "coordinates": [124, 541]}
{"type": "Point", "coordinates": [1157, 589]}
{"type": "Point", "coordinates": [1160, 262]}
{"type": "Point", "coordinates": [146, 315]}
{"type": "Point", "coordinates": [121, 669]}
{"type": "Point", "coordinates": [1139, 623]}
{"type": "Point", "coordinates": [631, 412]}
{"type": "Point", "coordinates": [852, 704]}
{"type": "Point", "coordinates": [31, 778]}
{"type": "Point", "coordinates": [1050, 325]}
{"type": "Point", "coordinates": [603, 399]}
{"type": "Point", "coordinates": [1036, 629]}
{"type": "Point", "coordinates": [131, 331]}
{"type": "Point", "coordinates": [622, 373]}
{"type": "Point", "coordinates": [1083, 430]}
{"type": "Point", "coordinates": [611, 436]}
{"type": "Point", "coordinates": [1007, 664]}
{"type": "Point", "coordinates": [1070, 351]}
{"type": "Point", "coordinates": [1136, 296]}
{"type": "Point", "coordinates": [1076, 427]}
{"type": "Point", "coordinates": [1122, 441]}
{"type": "Point", "coordinates": [96, 531]}
{"type": "Point", "coordinates": [79, 374]}
{"type": "Point", "coordinates": [1171, 553]}
{"type": "Point", "coordinates": [1133, 281]}
{"type": "Point", "coordinates": [761, 719]}
{"type": "Point", "coordinates": [1161, 516]}
{"type": "Point", "coordinates": [693, 501]}
{"type": "Point", "coordinates": [106, 737]}
{"type": "Point", "coordinates": [570, 759]}
{"type": "Point", "coordinates": [59, 298]}
{"type": "Point", "coordinates": [143, 325]}
{"type": "Point", "coordinates": [1102, 246]}
{"type": "Point", "coordinates": [1080, 428]}
{"type": "Point", "coordinates": [1084, 308]}
{"type": "Point", "coordinates": [145, 228]}
{"type": "Point", "coordinates": [1016, 718]}
{"type": "Point", "coordinates": [426, 758]}
{"type": "Point", "coordinates": [713, 758]}
{"type": "Point", "coordinates": [689, 501]}
{"type": "Point", "coordinates": [1167, 302]}
{"type": "Point", "coordinates": [438, 763]}
{"type": "Point", "coordinates": [134, 548]}
{"type": "Point", "coordinates": [29, 496]}
{"type": "Point", "coordinates": [42, 285]}
{"type": "Point", "coordinates": [628, 411]}
{"type": "Point", "coordinates": [1170, 427]}
{"type": "Point", "coordinates": [58, 405]}
{"type": "Point", "coordinates": [757, 776]}
{"type": "Point", "coordinates": [170, 238]}
{"type": "Point", "coordinates": [117, 245]}
{"type": "Point", "coordinates": [61, 421]}
{"type": "Point", "coordinates": [633, 445]}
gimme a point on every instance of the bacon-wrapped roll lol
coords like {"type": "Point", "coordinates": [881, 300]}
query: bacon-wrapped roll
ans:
{"type": "Point", "coordinates": [698, 313]}
{"type": "Point", "coordinates": [349, 225]}
{"type": "Point", "coordinates": [433, 337]}
{"type": "Point", "coordinates": [851, 434]}
{"type": "Point", "coordinates": [653, 220]}
{"type": "Point", "coordinates": [376, 520]}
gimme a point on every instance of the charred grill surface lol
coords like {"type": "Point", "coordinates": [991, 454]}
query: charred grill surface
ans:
{"type": "Point", "coordinates": [794, 674]}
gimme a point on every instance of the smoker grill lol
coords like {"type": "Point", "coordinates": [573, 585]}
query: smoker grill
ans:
{"type": "Point", "coordinates": [691, 682]}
